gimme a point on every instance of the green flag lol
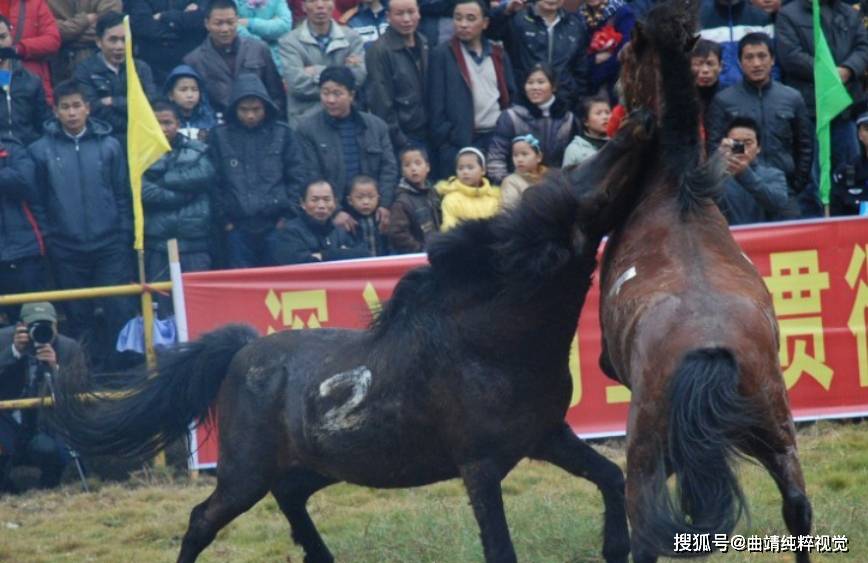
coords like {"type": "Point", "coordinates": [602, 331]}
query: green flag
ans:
{"type": "Point", "coordinates": [830, 97]}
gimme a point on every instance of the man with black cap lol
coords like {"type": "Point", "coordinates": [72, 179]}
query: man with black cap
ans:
{"type": "Point", "coordinates": [31, 353]}
{"type": "Point", "coordinates": [260, 174]}
{"type": "Point", "coordinates": [340, 142]}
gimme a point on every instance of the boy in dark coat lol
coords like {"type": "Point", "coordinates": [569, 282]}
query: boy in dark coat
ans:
{"type": "Point", "coordinates": [415, 215]}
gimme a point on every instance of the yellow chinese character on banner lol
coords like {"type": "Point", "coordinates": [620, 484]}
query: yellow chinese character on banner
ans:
{"type": "Point", "coordinates": [796, 283]}
{"type": "Point", "coordinates": [856, 321]}
{"type": "Point", "coordinates": [289, 307]}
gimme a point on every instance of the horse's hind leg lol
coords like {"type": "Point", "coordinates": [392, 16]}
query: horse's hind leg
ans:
{"type": "Point", "coordinates": [292, 492]}
{"type": "Point", "coordinates": [569, 452]}
{"type": "Point", "coordinates": [779, 456]}
{"type": "Point", "coordinates": [482, 481]}
{"type": "Point", "coordinates": [224, 504]}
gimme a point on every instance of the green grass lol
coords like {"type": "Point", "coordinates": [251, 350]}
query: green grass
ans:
{"type": "Point", "coordinates": [553, 516]}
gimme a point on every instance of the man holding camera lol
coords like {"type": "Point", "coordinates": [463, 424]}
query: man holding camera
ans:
{"type": "Point", "coordinates": [779, 110]}
{"type": "Point", "coordinates": [753, 193]}
{"type": "Point", "coordinates": [32, 353]}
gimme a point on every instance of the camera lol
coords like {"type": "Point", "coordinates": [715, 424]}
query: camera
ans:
{"type": "Point", "coordinates": [41, 332]}
{"type": "Point", "coordinates": [737, 147]}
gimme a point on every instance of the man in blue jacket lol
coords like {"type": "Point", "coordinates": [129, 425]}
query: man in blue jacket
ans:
{"type": "Point", "coordinates": [84, 208]}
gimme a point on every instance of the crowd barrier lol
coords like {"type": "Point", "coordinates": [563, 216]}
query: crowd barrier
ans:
{"type": "Point", "coordinates": [816, 271]}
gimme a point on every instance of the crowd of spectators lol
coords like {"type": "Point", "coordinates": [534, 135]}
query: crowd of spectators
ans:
{"type": "Point", "coordinates": [313, 130]}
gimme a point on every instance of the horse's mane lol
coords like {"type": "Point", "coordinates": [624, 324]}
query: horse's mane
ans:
{"type": "Point", "coordinates": [669, 29]}
{"type": "Point", "coordinates": [513, 254]}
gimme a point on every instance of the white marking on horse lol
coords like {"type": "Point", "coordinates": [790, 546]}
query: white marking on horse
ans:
{"type": "Point", "coordinates": [626, 276]}
{"type": "Point", "coordinates": [342, 417]}
{"type": "Point", "coordinates": [746, 257]}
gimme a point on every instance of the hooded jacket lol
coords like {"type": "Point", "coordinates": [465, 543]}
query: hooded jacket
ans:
{"type": "Point", "coordinates": [176, 197]}
{"type": "Point", "coordinates": [462, 202]}
{"type": "Point", "coordinates": [304, 236]}
{"type": "Point", "coordinates": [23, 109]}
{"type": "Point", "coordinates": [83, 189]}
{"type": "Point", "coordinates": [99, 81]}
{"type": "Point", "coordinates": [203, 116]}
{"type": "Point", "coordinates": [726, 24]}
{"type": "Point", "coordinates": [554, 133]}
{"type": "Point", "coordinates": [845, 34]}
{"type": "Point", "coordinates": [259, 170]}
{"type": "Point", "coordinates": [20, 236]}
{"type": "Point", "coordinates": [414, 217]}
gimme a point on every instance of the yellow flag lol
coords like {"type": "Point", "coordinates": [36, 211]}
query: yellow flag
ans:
{"type": "Point", "coordinates": [146, 142]}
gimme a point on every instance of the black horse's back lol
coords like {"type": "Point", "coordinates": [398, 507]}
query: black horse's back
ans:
{"type": "Point", "coordinates": [151, 410]}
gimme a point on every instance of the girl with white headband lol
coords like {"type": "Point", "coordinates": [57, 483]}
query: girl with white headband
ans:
{"type": "Point", "coordinates": [468, 195]}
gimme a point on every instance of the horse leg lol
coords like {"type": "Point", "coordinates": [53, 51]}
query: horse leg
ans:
{"type": "Point", "coordinates": [292, 492]}
{"type": "Point", "coordinates": [223, 506]}
{"type": "Point", "coordinates": [569, 452]}
{"type": "Point", "coordinates": [779, 456]}
{"type": "Point", "coordinates": [482, 481]}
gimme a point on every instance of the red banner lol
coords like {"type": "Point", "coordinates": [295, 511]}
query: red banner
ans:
{"type": "Point", "coordinates": [816, 271]}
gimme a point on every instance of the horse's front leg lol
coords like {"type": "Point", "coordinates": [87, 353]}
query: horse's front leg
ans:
{"type": "Point", "coordinates": [482, 481]}
{"type": "Point", "coordinates": [569, 452]}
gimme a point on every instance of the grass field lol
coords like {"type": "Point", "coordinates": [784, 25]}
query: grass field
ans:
{"type": "Point", "coordinates": [553, 517]}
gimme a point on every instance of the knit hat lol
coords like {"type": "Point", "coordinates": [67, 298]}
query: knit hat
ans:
{"type": "Point", "coordinates": [339, 74]}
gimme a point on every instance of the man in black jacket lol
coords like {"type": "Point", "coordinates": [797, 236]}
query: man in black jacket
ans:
{"type": "Point", "coordinates": [544, 32]}
{"type": "Point", "coordinates": [23, 109]}
{"type": "Point", "coordinates": [223, 56]}
{"type": "Point", "coordinates": [397, 65]}
{"type": "Point", "coordinates": [84, 208]}
{"type": "Point", "coordinates": [22, 267]}
{"type": "Point", "coordinates": [103, 76]}
{"type": "Point", "coordinates": [259, 173]}
{"type": "Point", "coordinates": [470, 82]}
{"type": "Point", "coordinates": [25, 364]}
{"type": "Point", "coordinates": [313, 237]}
{"type": "Point", "coordinates": [340, 142]}
{"type": "Point", "coordinates": [788, 136]}
{"type": "Point", "coordinates": [165, 31]}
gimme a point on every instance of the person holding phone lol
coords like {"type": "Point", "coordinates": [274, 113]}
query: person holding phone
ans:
{"type": "Point", "coordinates": [753, 193]}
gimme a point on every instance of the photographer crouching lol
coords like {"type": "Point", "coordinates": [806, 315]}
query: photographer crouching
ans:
{"type": "Point", "coordinates": [32, 354]}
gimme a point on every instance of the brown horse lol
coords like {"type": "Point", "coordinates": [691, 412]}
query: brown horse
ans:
{"type": "Point", "coordinates": [464, 373]}
{"type": "Point", "coordinates": [688, 326]}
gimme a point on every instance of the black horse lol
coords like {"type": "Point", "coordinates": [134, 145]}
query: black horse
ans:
{"type": "Point", "coordinates": [463, 374]}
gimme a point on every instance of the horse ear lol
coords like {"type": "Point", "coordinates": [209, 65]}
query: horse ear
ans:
{"type": "Point", "coordinates": [638, 37]}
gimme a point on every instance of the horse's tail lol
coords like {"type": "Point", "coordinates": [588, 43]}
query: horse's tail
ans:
{"type": "Point", "coordinates": [707, 419]}
{"type": "Point", "coordinates": [145, 411]}
{"type": "Point", "coordinates": [671, 27]}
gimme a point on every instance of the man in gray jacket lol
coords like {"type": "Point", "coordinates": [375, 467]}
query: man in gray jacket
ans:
{"type": "Point", "coordinates": [339, 143]}
{"type": "Point", "coordinates": [753, 193]}
{"type": "Point", "coordinates": [307, 50]}
{"type": "Point", "coordinates": [223, 56]}
{"type": "Point", "coordinates": [779, 110]}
